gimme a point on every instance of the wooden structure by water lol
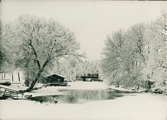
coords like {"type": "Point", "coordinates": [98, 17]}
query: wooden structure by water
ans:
{"type": "Point", "coordinates": [54, 80]}
{"type": "Point", "coordinates": [91, 77]}
{"type": "Point", "coordinates": [10, 92]}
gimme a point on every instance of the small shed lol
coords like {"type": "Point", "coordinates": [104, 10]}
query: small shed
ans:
{"type": "Point", "coordinates": [54, 78]}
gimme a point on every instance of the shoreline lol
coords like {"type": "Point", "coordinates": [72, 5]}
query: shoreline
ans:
{"type": "Point", "coordinates": [137, 106]}
{"type": "Point", "coordinates": [52, 90]}
{"type": "Point", "coordinates": [130, 107]}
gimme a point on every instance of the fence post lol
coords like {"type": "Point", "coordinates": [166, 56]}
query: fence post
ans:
{"type": "Point", "coordinates": [18, 76]}
{"type": "Point", "coordinates": [12, 77]}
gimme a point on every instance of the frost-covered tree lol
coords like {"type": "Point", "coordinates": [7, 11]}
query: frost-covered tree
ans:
{"type": "Point", "coordinates": [36, 43]}
{"type": "Point", "coordinates": [123, 56]}
{"type": "Point", "coordinates": [156, 52]}
{"type": "Point", "coordinates": [137, 55]}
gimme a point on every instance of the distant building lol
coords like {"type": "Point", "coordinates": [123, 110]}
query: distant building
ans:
{"type": "Point", "coordinates": [15, 76]}
{"type": "Point", "coordinates": [89, 77]}
{"type": "Point", "coordinates": [54, 78]}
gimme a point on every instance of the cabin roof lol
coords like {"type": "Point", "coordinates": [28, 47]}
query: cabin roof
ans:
{"type": "Point", "coordinates": [54, 75]}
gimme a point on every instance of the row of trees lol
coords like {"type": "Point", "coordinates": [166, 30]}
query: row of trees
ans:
{"type": "Point", "coordinates": [35, 45]}
{"type": "Point", "coordinates": [40, 47]}
{"type": "Point", "coordinates": [137, 55]}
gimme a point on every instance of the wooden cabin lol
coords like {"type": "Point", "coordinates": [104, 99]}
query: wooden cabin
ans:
{"type": "Point", "coordinates": [54, 78]}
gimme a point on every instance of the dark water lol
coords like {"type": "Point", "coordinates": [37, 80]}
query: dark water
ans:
{"type": "Point", "coordinates": [82, 96]}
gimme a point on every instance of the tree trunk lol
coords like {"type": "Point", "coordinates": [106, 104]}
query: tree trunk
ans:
{"type": "Point", "coordinates": [33, 83]}
{"type": "Point", "coordinates": [37, 77]}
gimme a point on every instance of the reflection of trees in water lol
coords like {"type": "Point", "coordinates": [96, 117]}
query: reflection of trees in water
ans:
{"type": "Point", "coordinates": [79, 96]}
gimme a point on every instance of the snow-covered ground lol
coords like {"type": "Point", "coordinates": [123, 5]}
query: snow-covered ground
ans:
{"type": "Point", "coordinates": [136, 107]}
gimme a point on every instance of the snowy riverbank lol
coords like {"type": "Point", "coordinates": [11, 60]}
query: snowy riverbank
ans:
{"type": "Point", "coordinates": [130, 107]}
{"type": "Point", "coordinates": [138, 107]}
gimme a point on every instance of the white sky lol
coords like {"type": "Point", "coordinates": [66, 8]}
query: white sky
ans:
{"type": "Point", "coordinates": [91, 21]}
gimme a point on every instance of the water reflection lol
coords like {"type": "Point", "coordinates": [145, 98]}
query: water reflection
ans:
{"type": "Point", "coordinates": [81, 96]}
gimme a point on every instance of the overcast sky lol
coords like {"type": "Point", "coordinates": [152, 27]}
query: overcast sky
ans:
{"type": "Point", "coordinates": [91, 21]}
